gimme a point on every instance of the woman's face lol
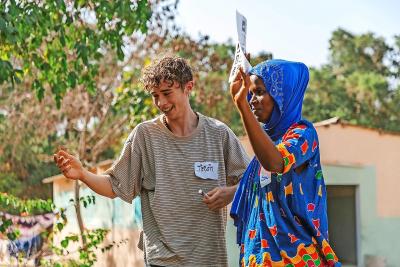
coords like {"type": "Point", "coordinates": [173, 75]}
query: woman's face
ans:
{"type": "Point", "coordinates": [261, 102]}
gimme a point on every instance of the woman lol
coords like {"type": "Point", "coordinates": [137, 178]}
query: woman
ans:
{"type": "Point", "coordinates": [281, 217]}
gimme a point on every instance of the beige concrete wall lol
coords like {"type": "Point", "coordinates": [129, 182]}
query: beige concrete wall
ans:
{"type": "Point", "coordinates": [127, 254]}
{"type": "Point", "coordinates": [345, 144]}
{"type": "Point", "coordinates": [348, 145]}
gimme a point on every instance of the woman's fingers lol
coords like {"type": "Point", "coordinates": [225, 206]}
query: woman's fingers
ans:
{"type": "Point", "coordinates": [245, 77]}
{"type": "Point", "coordinates": [238, 76]}
{"type": "Point", "coordinates": [242, 74]}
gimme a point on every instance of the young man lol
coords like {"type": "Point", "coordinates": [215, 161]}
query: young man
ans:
{"type": "Point", "coordinates": [166, 161]}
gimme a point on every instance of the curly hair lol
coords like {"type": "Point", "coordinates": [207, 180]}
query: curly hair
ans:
{"type": "Point", "coordinates": [168, 69]}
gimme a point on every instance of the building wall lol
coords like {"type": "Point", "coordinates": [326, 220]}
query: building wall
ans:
{"type": "Point", "coordinates": [356, 146]}
{"type": "Point", "coordinates": [123, 219]}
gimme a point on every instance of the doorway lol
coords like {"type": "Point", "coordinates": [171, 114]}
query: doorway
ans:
{"type": "Point", "coordinates": [342, 218]}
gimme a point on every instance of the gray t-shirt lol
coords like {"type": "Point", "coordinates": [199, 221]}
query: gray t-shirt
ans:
{"type": "Point", "coordinates": [167, 171]}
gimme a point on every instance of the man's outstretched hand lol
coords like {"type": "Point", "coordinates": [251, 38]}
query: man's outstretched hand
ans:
{"type": "Point", "coordinates": [68, 164]}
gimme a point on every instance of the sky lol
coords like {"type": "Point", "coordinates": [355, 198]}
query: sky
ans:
{"type": "Point", "coordinates": [290, 29]}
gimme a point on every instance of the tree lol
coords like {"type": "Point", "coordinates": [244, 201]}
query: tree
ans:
{"type": "Point", "coordinates": [58, 44]}
{"type": "Point", "coordinates": [78, 55]}
{"type": "Point", "coordinates": [25, 133]}
{"type": "Point", "coordinates": [360, 83]}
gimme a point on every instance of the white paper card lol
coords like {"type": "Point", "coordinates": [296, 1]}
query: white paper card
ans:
{"type": "Point", "coordinates": [241, 26]}
{"type": "Point", "coordinates": [206, 170]}
{"type": "Point", "coordinates": [240, 57]}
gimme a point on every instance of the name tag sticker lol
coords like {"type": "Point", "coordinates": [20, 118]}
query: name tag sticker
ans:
{"type": "Point", "coordinates": [265, 177]}
{"type": "Point", "coordinates": [206, 170]}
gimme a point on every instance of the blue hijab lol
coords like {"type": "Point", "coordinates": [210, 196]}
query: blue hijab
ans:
{"type": "Point", "coordinates": [286, 82]}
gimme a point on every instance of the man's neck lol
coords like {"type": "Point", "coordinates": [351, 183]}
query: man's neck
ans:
{"type": "Point", "coordinates": [184, 125]}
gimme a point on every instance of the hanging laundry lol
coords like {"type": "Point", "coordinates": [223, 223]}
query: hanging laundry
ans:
{"type": "Point", "coordinates": [30, 241]}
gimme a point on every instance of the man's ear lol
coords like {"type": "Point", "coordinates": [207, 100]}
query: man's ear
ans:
{"type": "Point", "coordinates": [189, 86]}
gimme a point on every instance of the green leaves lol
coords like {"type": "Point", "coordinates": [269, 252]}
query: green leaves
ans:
{"type": "Point", "coordinates": [363, 52]}
{"type": "Point", "coordinates": [87, 200]}
{"type": "Point", "coordinates": [59, 47]}
{"type": "Point", "coordinates": [26, 206]}
{"type": "Point", "coordinates": [38, 88]}
{"type": "Point", "coordinates": [358, 84]}
{"type": "Point", "coordinates": [8, 73]}
{"type": "Point", "coordinates": [60, 226]}
{"type": "Point", "coordinates": [64, 243]}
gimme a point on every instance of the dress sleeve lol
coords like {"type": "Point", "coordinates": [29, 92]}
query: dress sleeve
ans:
{"type": "Point", "coordinates": [125, 174]}
{"type": "Point", "coordinates": [298, 145]}
{"type": "Point", "coordinates": [235, 157]}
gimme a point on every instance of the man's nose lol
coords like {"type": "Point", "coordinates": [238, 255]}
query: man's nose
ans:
{"type": "Point", "coordinates": [161, 101]}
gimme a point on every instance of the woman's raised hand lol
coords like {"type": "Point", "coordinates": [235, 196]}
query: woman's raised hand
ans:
{"type": "Point", "coordinates": [239, 88]}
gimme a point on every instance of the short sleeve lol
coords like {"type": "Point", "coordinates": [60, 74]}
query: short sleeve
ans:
{"type": "Point", "coordinates": [298, 145]}
{"type": "Point", "coordinates": [126, 172]}
{"type": "Point", "coordinates": [236, 159]}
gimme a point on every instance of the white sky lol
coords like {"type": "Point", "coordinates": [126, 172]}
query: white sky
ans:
{"type": "Point", "coordinates": [290, 29]}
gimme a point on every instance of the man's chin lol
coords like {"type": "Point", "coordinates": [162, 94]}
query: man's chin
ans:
{"type": "Point", "coordinates": [168, 113]}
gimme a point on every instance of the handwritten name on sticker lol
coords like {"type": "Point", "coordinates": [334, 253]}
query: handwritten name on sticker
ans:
{"type": "Point", "coordinates": [206, 170]}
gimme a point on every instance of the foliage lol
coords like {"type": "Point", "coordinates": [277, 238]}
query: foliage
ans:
{"type": "Point", "coordinates": [10, 183]}
{"type": "Point", "coordinates": [58, 44]}
{"type": "Point", "coordinates": [360, 84]}
{"type": "Point", "coordinates": [19, 206]}
{"type": "Point", "coordinates": [26, 206]}
{"type": "Point", "coordinates": [85, 54]}
{"type": "Point", "coordinates": [88, 124]}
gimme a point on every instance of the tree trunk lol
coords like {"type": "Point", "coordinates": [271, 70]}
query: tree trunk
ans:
{"type": "Point", "coordinates": [78, 212]}
{"type": "Point", "coordinates": [82, 149]}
